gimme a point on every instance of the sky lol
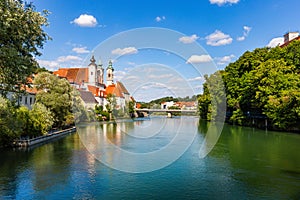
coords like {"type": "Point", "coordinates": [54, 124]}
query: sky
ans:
{"type": "Point", "coordinates": [160, 47]}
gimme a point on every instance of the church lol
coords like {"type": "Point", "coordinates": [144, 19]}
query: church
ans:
{"type": "Point", "coordinates": [90, 83]}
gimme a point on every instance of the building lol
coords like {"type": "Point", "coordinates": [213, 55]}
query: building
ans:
{"type": "Point", "coordinates": [289, 37]}
{"type": "Point", "coordinates": [88, 99]}
{"type": "Point", "coordinates": [166, 105]}
{"type": "Point", "coordinates": [181, 105]}
{"type": "Point", "coordinates": [91, 79]}
{"type": "Point", "coordinates": [121, 94]}
{"type": "Point", "coordinates": [191, 105]}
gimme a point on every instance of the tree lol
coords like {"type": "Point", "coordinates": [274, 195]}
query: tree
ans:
{"type": "Point", "coordinates": [10, 126]}
{"type": "Point", "coordinates": [204, 102]}
{"type": "Point", "coordinates": [131, 108]}
{"type": "Point", "coordinates": [56, 95]}
{"type": "Point", "coordinates": [111, 104]}
{"type": "Point", "coordinates": [212, 103]}
{"type": "Point", "coordinates": [265, 83]}
{"type": "Point", "coordinates": [24, 119]}
{"type": "Point", "coordinates": [35, 122]}
{"type": "Point", "coordinates": [21, 37]}
{"type": "Point", "coordinates": [41, 120]}
{"type": "Point", "coordinates": [80, 114]}
{"type": "Point", "coordinates": [100, 113]}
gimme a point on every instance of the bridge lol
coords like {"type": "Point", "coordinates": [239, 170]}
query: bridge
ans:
{"type": "Point", "coordinates": [169, 112]}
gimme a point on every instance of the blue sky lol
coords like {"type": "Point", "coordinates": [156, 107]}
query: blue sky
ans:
{"type": "Point", "coordinates": [224, 28]}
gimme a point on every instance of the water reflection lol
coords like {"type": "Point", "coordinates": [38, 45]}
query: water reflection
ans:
{"type": "Point", "coordinates": [260, 159]}
{"type": "Point", "coordinates": [139, 146]}
{"type": "Point", "coordinates": [245, 164]}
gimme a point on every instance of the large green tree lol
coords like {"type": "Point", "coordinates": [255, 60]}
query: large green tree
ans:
{"type": "Point", "coordinates": [21, 37]}
{"type": "Point", "coordinates": [57, 95]}
{"type": "Point", "coordinates": [264, 83]}
{"type": "Point", "coordinates": [35, 122]}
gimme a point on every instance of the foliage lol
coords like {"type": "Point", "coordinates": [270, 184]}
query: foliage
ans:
{"type": "Point", "coordinates": [80, 114]}
{"type": "Point", "coordinates": [56, 95]}
{"type": "Point", "coordinates": [111, 105]}
{"type": "Point", "coordinates": [41, 120]}
{"type": "Point", "coordinates": [24, 120]}
{"type": "Point", "coordinates": [10, 125]}
{"type": "Point", "coordinates": [204, 103]}
{"type": "Point", "coordinates": [21, 36]}
{"type": "Point", "coordinates": [130, 108]}
{"type": "Point", "coordinates": [101, 115]}
{"type": "Point", "coordinates": [35, 122]}
{"type": "Point", "coordinates": [212, 103]}
{"type": "Point", "coordinates": [173, 108]}
{"type": "Point", "coordinates": [261, 83]}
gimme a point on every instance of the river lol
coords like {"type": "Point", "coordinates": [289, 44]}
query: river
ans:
{"type": "Point", "coordinates": [245, 163]}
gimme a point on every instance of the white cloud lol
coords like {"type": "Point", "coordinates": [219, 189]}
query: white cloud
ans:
{"type": "Point", "coordinates": [66, 61]}
{"type": "Point", "coordinates": [119, 75]}
{"type": "Point", "coordinates": [225, 60]}
{"type": "Point", "coordinates": [222, 2]}
{"type": "Point", "coordinates": [131, 63]}
{"type": "Point", "coordinates": [246, 32]}
{"type": "Point", "coordinates": [85, 20]}
{"type": "Point", "coordinates": [218, 38]}
{"type": "Point", "coordinates": [153, 85]}
{"type": "Point", "coordinates": [198, 78]}
{"type": "Point", "coordinates": [247, 29]}
{"type": "Point", "coordinates": [69, 58]}
{"type": "Point", "coordinates": [199, 59]}
{"type": "Point", "coordinates": [48, 64]}
{"type": "Point", "coordinates": [275, 42]}
{"type": "Point", "coordinates": [161, 76]}
{"type": "Point", "coordinates": [188, 39]}
{"type": "Point", "coordinates": [158, 18]}
{"type": "Point", "coordinates": [124, 51]}
{"type": "Point", "coordinates": [242, 38]}
{"type": "Point", "coordinates": [80, 50]}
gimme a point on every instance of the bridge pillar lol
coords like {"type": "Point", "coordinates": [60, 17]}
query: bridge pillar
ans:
{"type": "Point", "coordinates": [169, 115]}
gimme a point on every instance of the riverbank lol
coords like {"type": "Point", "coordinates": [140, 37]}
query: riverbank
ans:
{"type": "Point", "coordinates": [42, 139]}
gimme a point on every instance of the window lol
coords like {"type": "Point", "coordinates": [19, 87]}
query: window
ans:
{"type": "Point", "coordinates": [25, 100]}
{"type": "Point", "coordinates": [91, 73]}
{"type": "Point", "coordinates": [30, 100]}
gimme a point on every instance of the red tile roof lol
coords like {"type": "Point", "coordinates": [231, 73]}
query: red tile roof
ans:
{"type": "Point", "coordinates": [186, 104]}
{"type": "Point", "coordinates": [122, 87]}
{"type": "Point", "coordinates": [115, 90]}
{"type": "Point", "coordinates": [287, 43]}
{"type": "Point", "coordinates": [73, 75]}
{"type": "Point", "coordinates": [94, 90]}
{"type": "Point", "coordinates": [31, 90]}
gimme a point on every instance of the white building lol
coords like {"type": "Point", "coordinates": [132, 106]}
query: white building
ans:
{"type": "Point", "coordinates": [91, 79]}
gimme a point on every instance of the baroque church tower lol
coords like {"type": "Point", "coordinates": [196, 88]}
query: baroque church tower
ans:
{"type": "Point", "coordinates": [92, 71]}
{"type": "Point", "coordinates": [100, 73]}
{"type": "Point", "coordinates": [109, 74]}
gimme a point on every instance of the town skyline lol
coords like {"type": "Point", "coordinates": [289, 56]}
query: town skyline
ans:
{"type": "Point", "coordinates": [224, 28]}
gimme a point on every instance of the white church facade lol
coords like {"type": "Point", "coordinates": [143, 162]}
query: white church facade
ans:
{"type": "Point", "coordinates": [91, 80]}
